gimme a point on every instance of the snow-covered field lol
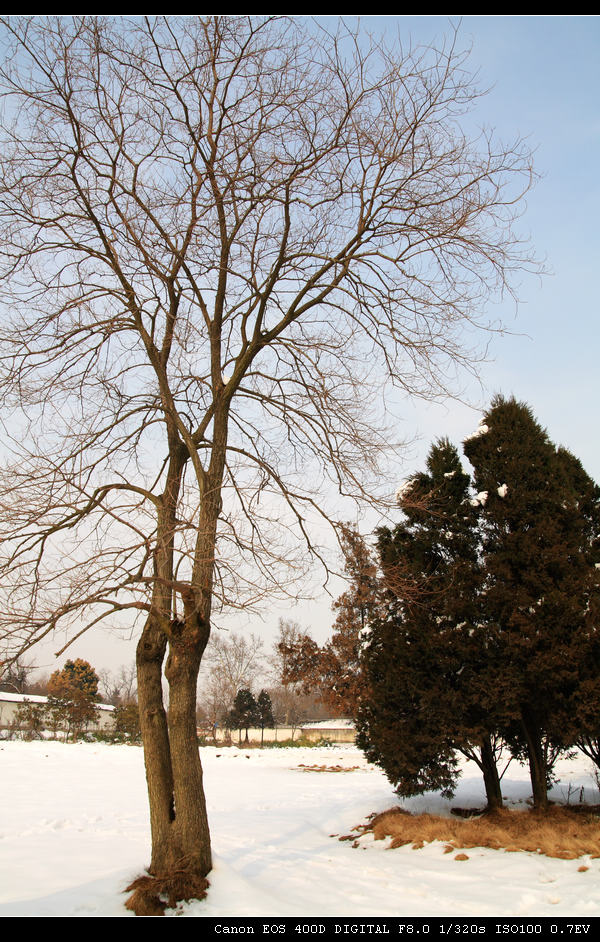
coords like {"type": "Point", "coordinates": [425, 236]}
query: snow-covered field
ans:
{"type": "Point", "coordinates": [74, 830]}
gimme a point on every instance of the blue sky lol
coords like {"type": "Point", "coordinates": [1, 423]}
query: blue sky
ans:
{"type": "Point", "coordinates": [544, 78]}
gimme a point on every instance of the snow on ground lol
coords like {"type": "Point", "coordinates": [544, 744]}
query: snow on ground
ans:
{"type": "Point", "coordinates": [74, 830]}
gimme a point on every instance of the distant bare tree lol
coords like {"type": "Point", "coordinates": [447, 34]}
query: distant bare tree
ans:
{"type": "Point", "coordinates": [289, 633]}
{"type": "Point", "coordinates": [334, 670]}
{"type": "Point", "coordinates": [16, 675]}
{"type": "Point", "coordinates": [220, 237]}
{"type": "Point", "coordinates": [119, 689]}
{"type": "Point", "coordinates": [231, 662]}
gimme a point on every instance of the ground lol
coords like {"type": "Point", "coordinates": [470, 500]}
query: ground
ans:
{"type": "Point", "coordinates": [74, 832]}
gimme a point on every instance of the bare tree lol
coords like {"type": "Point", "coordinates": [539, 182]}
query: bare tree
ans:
{"type": "Point", "coordinates": [289, 634]}
{"type": "Point", "coordinates": [230, 663]}
{"type": "Point", "coordinates": [119, 689]}
{"type": "Point", "coordinates": [291, 703]}
{"type": "Point", "coordinates": [16, 674]}
{"type": "Point", "coordinates": [220, 236]}
{"type": "Point", "coordinates": [335, 670]}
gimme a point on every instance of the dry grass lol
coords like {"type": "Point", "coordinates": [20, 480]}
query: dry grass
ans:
{"type": "Point", "coordinates": [328, 768]}
{"type": "Point", "coordinates": [559, 832]}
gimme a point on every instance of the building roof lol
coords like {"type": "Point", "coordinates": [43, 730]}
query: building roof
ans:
{"type": "Point", "coordinates": [10, 696]}
{"type": "Point", "coordinates": [341, 723]}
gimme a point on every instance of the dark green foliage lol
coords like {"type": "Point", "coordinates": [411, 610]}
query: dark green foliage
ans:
{"type": "Point", "coordinates": [301, 743]}
{"type": "Point", "coordinates": [264, 709]}
{"type": "Point", "coordinates": [540, 545]}
{"type": "Point", "coordinates": [429, 677]}
{"type": "Point", "coordinates": [76, 678]}
{"type": "Point", "coordinates": [245, 712]}
{"type": "Point", "coordinates": [494, 602]}
{"type": "Point", "coordinates": [127, 723]}
{"type": "Point", "coordinates": [30, 720]}
{"type": "Point", "coordinates": [73, 715]}
{"type": "Point", "coordinates": [73, 692]}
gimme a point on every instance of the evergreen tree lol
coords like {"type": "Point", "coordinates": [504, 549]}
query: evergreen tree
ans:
{"type": "Point", "coordinates": [539, 513]}
{"type": "Point", "coordinates": [73, 693]}
{"type": "Point", "coordinates": [127, 723]}
{"type": "Point", "coordinates": [428, 673]}
{"type": "Point", "coordinates": [264, 709]}
{"type": "Point", "coordinates": [244, 714]}
{"type": "Point", "coordinates": [75, 679]}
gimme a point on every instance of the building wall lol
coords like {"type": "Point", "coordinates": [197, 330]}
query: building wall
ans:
{"type": "Point", "coordinates": [10, 703]}
{"type": "Point", "coordinates": [282, 733]}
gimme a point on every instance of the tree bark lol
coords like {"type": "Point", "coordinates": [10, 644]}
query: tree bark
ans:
{"type": "Point", "coordinates": [491, 778]}
{"type": "Point", "coordinates": [190, 836]}
{"type": "Point", "coordinates": [179, 823]}
{"type": "Point", "coordinates": [537, 764]}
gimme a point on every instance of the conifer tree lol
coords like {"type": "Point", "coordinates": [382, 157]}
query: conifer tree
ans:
{"type": "Point", "coordinates": [73, 692]}
{"type": "Point", "coordinates": [76, 678]}
{"type": "Point", "coordinates": [264, 710]}
{"type": "Point", "coordinates": [540, 535]}
{"type": "Point", "coordinates": [427, 668]}
{"type": "Point", "coordinates": [244, 713]}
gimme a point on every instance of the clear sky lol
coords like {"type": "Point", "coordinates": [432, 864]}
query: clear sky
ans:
{"type": "Point", "coordinates": [544, 78]}
{"type": "Point", "coordinates": [543, 73]}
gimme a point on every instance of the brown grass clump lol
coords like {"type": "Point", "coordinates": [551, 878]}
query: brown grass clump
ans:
{"type": "Point", "coordinates": [559, 832]}
{"type": "Point", "coordinates": [152, 895]}
{"type": "Point", "coordinates": [327, 768]}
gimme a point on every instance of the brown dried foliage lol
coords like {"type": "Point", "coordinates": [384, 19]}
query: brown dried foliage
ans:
{"type": "Point", "coordinates": [561, 832]}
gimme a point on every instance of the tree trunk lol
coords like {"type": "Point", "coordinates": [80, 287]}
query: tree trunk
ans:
{"type": "Point", "coordinates": [491, 778]}
{"type": "Point", "coordinates": [537, 763]}
{"type": "Point", "coordinates": [157, 752]}
{"type": "Point", "coordinates": [190, 837]}
{"type": "Point", "coordinates": [181, 852]}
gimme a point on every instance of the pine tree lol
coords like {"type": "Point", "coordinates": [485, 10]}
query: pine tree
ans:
{"type": "Point", "coordinates": [539, 514]}
{"type": "Point", "coordinates": [73, 693]}
{"type": "Point", "coordinates": [427, 668]}
{"type": "Point", "coordinates": [264, 709]}
{"type": "Point", "coordinates": [76, 678]}
{"type": "Point", "coordinates": [244, 713]}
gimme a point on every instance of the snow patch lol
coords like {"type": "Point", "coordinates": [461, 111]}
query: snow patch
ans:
{"type": "Point", "coordinates": [75, 832]}
{"type": "Point", "coordinates": [21, 697]}
{"type": "Point", "coordinates": [482, 430]}
{"type": "Point", "coordinates": [404, 488]}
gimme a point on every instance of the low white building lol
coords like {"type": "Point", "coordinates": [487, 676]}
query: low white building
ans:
{"type": "Point", "coordinates": [13, 712]}
{"type": "Point", "coordinates": [340, 730]}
